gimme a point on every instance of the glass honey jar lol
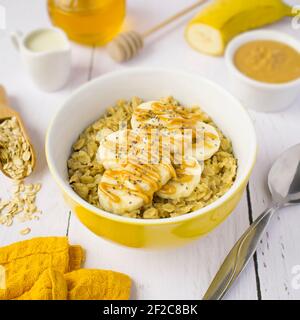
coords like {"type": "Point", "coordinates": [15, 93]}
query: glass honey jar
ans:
{"type": "Point", "coordinates": [89, 22]}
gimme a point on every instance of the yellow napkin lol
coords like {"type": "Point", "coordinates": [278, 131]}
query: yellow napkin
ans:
{"type": "Point", "coordinates": [25, 261]}
{"type": "Point", "coordinates": [91, 284]}
{"type": "Point", "coordinates": [51, 285]}
{"type": "Point", "coordinates": [48, 269]}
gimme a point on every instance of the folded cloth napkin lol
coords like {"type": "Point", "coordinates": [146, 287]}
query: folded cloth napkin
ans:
{"type": "Point", "coordinates": [48, 269]}
{"type": "Point", "coordinates": [89, 284]}
{"type": "Point", "coordinates": [79, 285]}
{"type": "Point", "coordinates": [25, 261]}
{"type": "Point", "coordinates": [51, 285]}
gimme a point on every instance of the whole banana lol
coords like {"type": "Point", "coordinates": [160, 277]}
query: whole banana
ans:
{"type": "Point", "coordinates": [219, 22]}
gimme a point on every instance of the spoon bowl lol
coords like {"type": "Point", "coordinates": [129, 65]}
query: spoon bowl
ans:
{"type": "Point", "coordinates": [284, 177]}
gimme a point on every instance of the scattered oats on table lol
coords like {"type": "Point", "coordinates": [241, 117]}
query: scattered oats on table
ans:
{"type": "Point", "coordinates": [25, 231]}
{"type": "Point", "coordinates": [21, 204]}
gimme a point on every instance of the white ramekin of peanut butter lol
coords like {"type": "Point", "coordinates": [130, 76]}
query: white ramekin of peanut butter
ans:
{"type": "Point", "coordinates": [264, 67]}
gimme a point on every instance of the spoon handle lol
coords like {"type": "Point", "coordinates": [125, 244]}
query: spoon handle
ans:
{"type": "Point", "coordinates": [238, 257]}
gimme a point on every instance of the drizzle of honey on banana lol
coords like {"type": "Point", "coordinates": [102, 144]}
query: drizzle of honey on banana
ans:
{"type": "Point", "coordinates": [137, 174]}
{"type": "Point", "coordinates": [176, 115]}
{"type": "Point", "coordinates": [181, 177]}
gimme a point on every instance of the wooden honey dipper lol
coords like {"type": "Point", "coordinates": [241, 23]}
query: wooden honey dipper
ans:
{"type": "Point", "coordinates": [127, 45]}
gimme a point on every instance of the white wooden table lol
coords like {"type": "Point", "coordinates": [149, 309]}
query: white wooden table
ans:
{"type": "Point", "coordinates": [182, 273]}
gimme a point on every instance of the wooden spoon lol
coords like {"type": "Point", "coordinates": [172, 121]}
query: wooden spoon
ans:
{"type": "Point", "coordinates": [7, 112]}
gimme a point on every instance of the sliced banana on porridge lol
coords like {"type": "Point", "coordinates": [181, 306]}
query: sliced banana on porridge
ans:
{"type": "Point", "coordinates": [161, 115]}
{"type": "Point", "coordinates": [117, 147]}
{"type": "Point", "coordinates": [116, 196]}
{"type": "Point", "coordinates": [129, 188]}
{"type": "Point", "coordinates": [201, 143]}
{"type": "Point", "coordinates": [102, 134]}
{"type": "Point", "coordinates": [207, 142]}
{"type": "Point", "coordinates": [188, 175]}
{"type": "Point", "coordinates": [144, 115]}
{"type": "Point", "coordinates": [174, 121]}
{"type": "Point", "coordinates": [130, 179]}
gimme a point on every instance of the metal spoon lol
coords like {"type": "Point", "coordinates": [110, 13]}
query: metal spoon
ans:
{"type": "Point", "coordinates": [284, 184]}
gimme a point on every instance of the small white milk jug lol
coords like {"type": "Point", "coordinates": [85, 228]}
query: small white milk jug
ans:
{"type": "Point", "coordinates": [46, 54]}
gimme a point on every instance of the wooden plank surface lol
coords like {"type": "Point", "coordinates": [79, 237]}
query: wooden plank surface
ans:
{"type": "Point", "coordinates": [182, 273]}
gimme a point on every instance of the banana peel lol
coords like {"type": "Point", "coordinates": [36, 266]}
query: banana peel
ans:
{"type": "Point", "coordinates": [210, 30]}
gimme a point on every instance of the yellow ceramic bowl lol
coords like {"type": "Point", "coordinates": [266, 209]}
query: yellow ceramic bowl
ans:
{"type": "Point", "coordinates": [90, 101]}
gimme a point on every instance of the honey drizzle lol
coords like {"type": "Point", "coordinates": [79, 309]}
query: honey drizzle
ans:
{"type": "Point", "coordinates": [142, 173]}
{"type": "Point", "coordinates": [180, 116]}
{"type": "Point", "coordinates": [181, 177]}
{"type": "Point", "coordinates": [168, 189]}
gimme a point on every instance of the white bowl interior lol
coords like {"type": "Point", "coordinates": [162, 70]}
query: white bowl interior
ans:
{"type": "Point", "coordinates": [89, 102]}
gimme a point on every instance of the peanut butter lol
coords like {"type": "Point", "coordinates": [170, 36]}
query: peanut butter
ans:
{"type": "Point", "coordinates": [268, 61]}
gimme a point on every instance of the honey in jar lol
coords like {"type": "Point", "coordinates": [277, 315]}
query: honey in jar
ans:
{"type": "Point", "coordinates": [90, 22]}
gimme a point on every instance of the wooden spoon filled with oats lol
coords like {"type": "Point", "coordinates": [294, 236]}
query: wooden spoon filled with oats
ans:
{"type": "Point", "coordinates": [17, 156]}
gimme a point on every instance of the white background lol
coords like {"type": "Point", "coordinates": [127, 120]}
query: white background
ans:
{"type": "Point", "coordinates": [182, 273]}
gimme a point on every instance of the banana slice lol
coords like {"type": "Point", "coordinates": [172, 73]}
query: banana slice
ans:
{"type": "Point", "coordinates": [143, 116]}
{"type": "Point", "coordinates": [129, 188]}
{"type": "Point", "coordinates": [200, 142]}
{"type": "Point", "coordinates": [114, 193]}
{"type": "Point", "coordinates": [207, 142]}
{"type": "Point", "coordinates": [156, 114]}
{"type": "Point", "coordinates": [187, 179]}
{"type": "Point", "coordinates": [103, 133]}
{"type": "Point", "coordinates": [117, 147]}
